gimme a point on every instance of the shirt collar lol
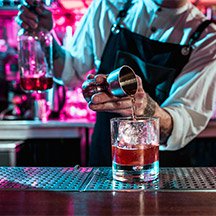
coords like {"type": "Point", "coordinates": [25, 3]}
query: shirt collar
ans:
{"type": "Point", "coordinates": [151, 6]}
{"type": "Point", "coordinates": [175, 11]}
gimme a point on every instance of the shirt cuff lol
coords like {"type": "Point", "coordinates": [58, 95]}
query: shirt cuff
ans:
{"type": "Point", "coordinates": [177, 139]}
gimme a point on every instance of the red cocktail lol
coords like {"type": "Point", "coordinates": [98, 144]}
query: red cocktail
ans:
{"type": "Point", "coordinates": [135, 149]}
{"type": "Point", "coordinates": [36, 83]}
{"type": "Point", "coordinates": [137, 156]}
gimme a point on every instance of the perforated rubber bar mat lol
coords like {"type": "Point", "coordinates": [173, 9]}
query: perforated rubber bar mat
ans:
{"type": "Point", "coordinates": [43, 178]}
{"type": "Point", "coordinates": [171, 179]}
{"type": "Point", "coordinates": [100, 179]}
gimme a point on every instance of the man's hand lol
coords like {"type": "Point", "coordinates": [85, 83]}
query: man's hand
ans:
{"type": "Point", "coordinates": [41, 17]}
{"type": "Point", "coordinates": [142, 105]}
{"type": "Point", "coordinates": [104, 101]}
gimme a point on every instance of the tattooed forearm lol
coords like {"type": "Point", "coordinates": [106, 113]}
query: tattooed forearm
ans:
{"type": "Point", "coordinates": [150, 107]}
{"type": "Point", "coordinates": [166, 122]}
{"type": "Point", "coordinates": [165, 130]}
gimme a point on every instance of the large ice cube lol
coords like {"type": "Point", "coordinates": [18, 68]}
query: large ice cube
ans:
{"type": "Point", "coordinates": [137, 132]}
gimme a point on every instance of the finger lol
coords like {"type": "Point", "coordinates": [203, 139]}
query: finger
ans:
{"type": "Point", "coordinates": [112, 105]}
{"type": "Point", "coordinates": [21, 23]}
{"type": "Point", "coordinates": [101, 108]}
{"type": "Point", "coordinates": [90, 76]}
{"type": "Point", "coordinates": [103, 97]}
{"type": "Point", "coordinates": [141, 95]}
{"type": "Point", "coordinates": [139, 83]}
{"type": "Point", "coordinates": [123, 112]}
{"type": "Point", "coordinates": [22, 9]}
{"type": "Point", "coordinates": [100, 78]}
{"type": "Point", "coordinates": [30, 2]}
{"type": "Point", "coordinates": [30, 22]}
{"type": "Point", "coordinates": [29, 18]}
{"type": "Point", "coordinates": [38, 8]}
{"type": "Point", "coordinates": [42, 11]}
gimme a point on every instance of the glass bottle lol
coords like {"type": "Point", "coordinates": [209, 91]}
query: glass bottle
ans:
{"type": "Point", "coordinates": [35, 53]}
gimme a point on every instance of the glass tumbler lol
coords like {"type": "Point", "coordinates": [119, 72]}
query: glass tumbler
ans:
{"type": "Point", "coordinates": [35, 49]}
{"type": "Point", "coordinates": [135, 149]}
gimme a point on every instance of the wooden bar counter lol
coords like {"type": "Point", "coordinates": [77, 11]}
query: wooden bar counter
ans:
{"type": "Point", "coordinates": [91, 191]}
{"type": "Point", "coordinates": [107, 203]}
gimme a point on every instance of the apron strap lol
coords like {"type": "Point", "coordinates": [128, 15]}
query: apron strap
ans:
{"type": "Point", "coordinates": [121, 15]}
{"type": "Point", "coordinates": [123, 12]}
{"type": "Point", "coordinates": [196, 35]}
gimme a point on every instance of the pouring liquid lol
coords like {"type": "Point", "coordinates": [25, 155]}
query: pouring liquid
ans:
{"type": "Point", "coordinates": [137, 164]}
{"type": "Point", "coordinates": [133, 108]}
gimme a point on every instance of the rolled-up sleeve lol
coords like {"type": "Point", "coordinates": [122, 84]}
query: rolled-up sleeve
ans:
{"type": "Point", "coordinates": [89, 39]}
{"type": "Point", "coordinates": [79, 56]}
{"type": "Point", "coordinates": [192, 97]}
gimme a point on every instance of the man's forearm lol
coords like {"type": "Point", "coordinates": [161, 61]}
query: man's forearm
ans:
{"type": "Point", "coordinates": [166, 121]}
{"type": "Point", "coordinates": [166, 124]}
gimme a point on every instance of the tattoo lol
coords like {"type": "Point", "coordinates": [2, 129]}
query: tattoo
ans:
{"type": "Point", "coordinates": [166, 121]}
{"type": "Point", "coordinates": [150, 107]}
{"type": "Point", "coordinates": [166, 126]}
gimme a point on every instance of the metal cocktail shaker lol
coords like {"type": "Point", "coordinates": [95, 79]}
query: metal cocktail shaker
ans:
{"type": "Point", "coordinates": [120, 83]}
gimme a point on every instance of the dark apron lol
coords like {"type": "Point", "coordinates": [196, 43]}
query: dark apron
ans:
{"type": "Point", "coordinates": [157, 63]}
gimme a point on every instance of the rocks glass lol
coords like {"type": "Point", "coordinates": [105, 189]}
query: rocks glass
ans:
{"type": "Point", "coordinates": [135, 149]}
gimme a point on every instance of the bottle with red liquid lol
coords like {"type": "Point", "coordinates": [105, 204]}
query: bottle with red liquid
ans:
{"type": "Point", "coordinates": [35, 58]}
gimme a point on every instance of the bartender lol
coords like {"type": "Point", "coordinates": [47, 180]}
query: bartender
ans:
{"type": "Point", "coordinates": [169, 44]}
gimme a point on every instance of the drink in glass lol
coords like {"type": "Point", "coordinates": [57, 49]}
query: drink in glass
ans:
{"type": "Point", "coordinates": [35, 61]}
{"type": "Point", "coordinates": [35, 49]}
{"type": "Point", "coordinates": [36, 83]}
{"type": "Point", "coordinates": [135, 149]}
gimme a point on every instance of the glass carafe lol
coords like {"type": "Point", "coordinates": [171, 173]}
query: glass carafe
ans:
{"type": "Point", "coordinates": [35, 58]}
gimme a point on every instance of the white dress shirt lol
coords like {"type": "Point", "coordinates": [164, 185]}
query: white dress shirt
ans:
{"type": "Point", "coordinates": [193, 95]}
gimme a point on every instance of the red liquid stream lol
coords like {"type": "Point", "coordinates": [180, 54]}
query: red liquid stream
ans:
{"type": "Point", "coordinates": [36, 84]}
{"type": "Point", "coordinates": [135, 157]}
{"type": "Point", "coordinates": [140, 156]}
{"type": "Point", "coordinates": [133, 108]}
